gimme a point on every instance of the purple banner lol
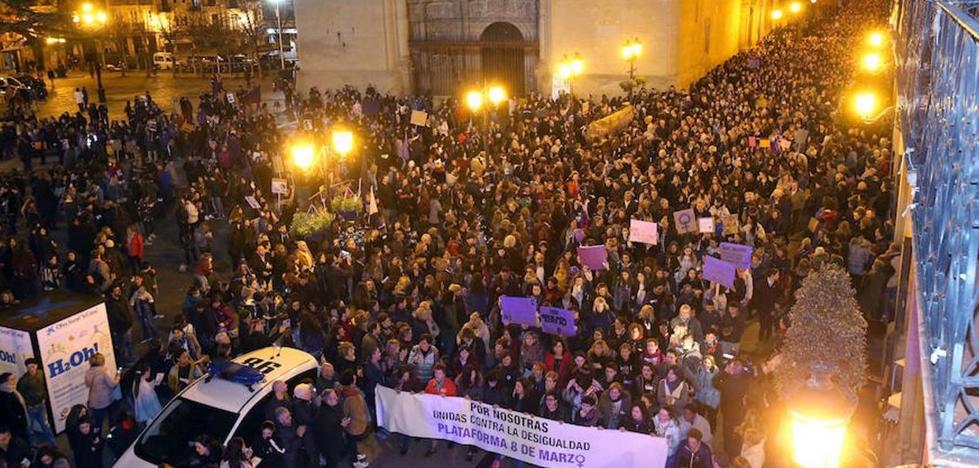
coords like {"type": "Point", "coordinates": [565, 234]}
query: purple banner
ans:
{"type": "Point", "coordinates": [719, 271]}
{"type": "Point", "coordinates": [593, 256]}
{"type": "Point", "coordinates": [737, 254]}
{"type": "Point", "coordinates": [556, 321]}
{"type": "Point", "coordinates": [519, 310]}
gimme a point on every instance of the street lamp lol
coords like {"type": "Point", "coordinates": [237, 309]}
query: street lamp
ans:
{"type": "Point", "coordinates": [570, 68]}
{"type": "Point", "coordinates": [876, 39]}
{"type": "Point", "coordinates": [865, 104]}
{"type": "Point", "coordinates": [92, 20]}
{"type": "Point", "coordinates": [477, 98]}
{"type": "Point", "coordinates": [872, 62]}
{"type": "Point", "coordinates": [303, 155]}
{"type": "Point", "coordinates": [278, 20]}
{"type": "Point", "coordinates": [631, 51]}
{"type": "Point", "coordinates": [496, 95]}
{"type": "Point", "coordinates": [777, 14]}
{"type": "Point", "coordinates": [795, 7]}
{"type": "Point", "coordinates": [819, 412]}
{"type": "Point", "coordinates": [343, 141]}
{"type": "Point", "coordinates": [474, 101]}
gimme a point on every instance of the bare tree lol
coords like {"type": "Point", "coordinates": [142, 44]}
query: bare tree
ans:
{"type": "Point", "coordinates": [250, 24]}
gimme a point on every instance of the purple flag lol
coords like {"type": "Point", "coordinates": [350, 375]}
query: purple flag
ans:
{"type": "Point", "coordinates": [737, 254]}
{"type": "Point", "coordinates": [519, 310]}
{"type": "Point", "coordinates": [593, 256]}
{"type": "Point", "coordinates": [719, 271]}
{"type": "Point", "coordinates": [556, 321]}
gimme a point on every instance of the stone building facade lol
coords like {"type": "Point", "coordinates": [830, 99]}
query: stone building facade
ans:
{"type": "Point", "coordinates": [445, 46]}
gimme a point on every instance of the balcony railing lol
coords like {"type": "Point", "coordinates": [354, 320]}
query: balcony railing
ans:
{"type": "Point", "coordinates": [939, 117]}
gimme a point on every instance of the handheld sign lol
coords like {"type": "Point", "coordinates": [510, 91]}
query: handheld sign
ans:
{"type": "Point", "coordinates": [644, 232]}
{"type": "Point", "coordinates": [731, 225]}
{"type": "Point", "coordinates": [280, 186]}
{"type": "Point", "coordinates": [252, 202]}
{"type": "Point", "coordinates": [520, 310]}
{"type": "Point", "coordinates": [705, 225]}
{"type": "Point", "coordinates": [555, 321]}
{"type": "Point", "coordinates": [736, 254]}
{"type": "Point", "coordinates": [719, 271]}
{"type": "Point", "coordinates": [686, 220]}
{"type": "Point", "coordinates": [419, 118]}
{"type": "Point", "coordinates": [593, 256]}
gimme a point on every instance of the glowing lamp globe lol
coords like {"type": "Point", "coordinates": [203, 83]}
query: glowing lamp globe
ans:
{"type": "Point", "coordinates": [303, 156]}
{"type": "Point", "coordinates": [819, 413]}
{"type": "Point", "coordinates": [343, 142]}
{"type": "Point", "coordinates": [474, 100]}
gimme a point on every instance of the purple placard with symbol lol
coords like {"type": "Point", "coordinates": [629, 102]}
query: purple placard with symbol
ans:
{"type": "Point", "coordinates": [737, 254]}
{"type": "Point", "coordinates": [719, 271]}
{"type": "Point", "coordinates": [555, 321]}
{"type": "Point", "coordinates": [593, 256]}
{"type": "Point", "coordinates": [519, 310]}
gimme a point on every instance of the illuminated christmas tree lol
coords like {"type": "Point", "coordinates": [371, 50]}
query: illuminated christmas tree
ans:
{"type": "Point", "coordinates": [826, 329]}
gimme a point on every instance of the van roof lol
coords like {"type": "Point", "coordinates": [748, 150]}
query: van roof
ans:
{"type": "Point", "coordinates": [232, 396]}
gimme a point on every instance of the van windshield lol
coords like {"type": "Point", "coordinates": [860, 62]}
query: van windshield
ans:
{"type": "Point", "coordinates": [169, 439]}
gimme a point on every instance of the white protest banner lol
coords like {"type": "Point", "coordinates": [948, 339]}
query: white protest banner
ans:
{"type": "Point", "coordinates": [252, 202]}
{"type": "Point", "coordinates": [706, 225]}
{"type": "Point", "coordinates": [15, 348]}
{"type": "Point", "coordinates": [65, 348]}
{"type": "Point", "coordinates": [280, 186]}
{"type": "Point", "coordinates": [643, 232]}
{"type": "Point", "coordinates": [539, 441]}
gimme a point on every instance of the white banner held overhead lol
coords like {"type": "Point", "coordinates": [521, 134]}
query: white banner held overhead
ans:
{"type": "Point", "coordinates": [15, 348]}
{"type": "Point", "coordinates": [539, 441]}
{"type": "Point", "coordinates": [65, 348]}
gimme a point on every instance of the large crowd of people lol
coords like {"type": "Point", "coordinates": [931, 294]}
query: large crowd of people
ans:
{"type": "Point", "coordinates": [455, 215]}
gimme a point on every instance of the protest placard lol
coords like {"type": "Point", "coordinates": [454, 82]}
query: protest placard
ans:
{"type": "Point", "coordinates": [419, 118]}
{"type": "Point", "coordinates": [730, 223]}
{"type": "Point", "coordinates": [593, 256]}
{"type": "Point", "coordinates": [719, 271]}
{"type": "Point", "coordinates": [252, 202]}
{"type": "Point", "coordinates": [765, 143]}
{"type": "Point", "coordinates": [280, 186]}
{"type": "Point", "coordinates": [519, 310]}
{"type": "Point", "coordinates": [644, 232]}
{"type": "Point", "coordinates": [686, 220]}
{"type": "Point", "coordinates": [555, 321]}
{"type": "Point", "coordinates": [752, 142]}
{"type": "Point", "coordinates": [706, 225]}
{"type": "Point", "coordinates": [736, 254]}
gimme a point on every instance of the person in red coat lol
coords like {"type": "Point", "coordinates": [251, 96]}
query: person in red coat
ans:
{"type": "Point", "coordinates": [439, 385]}
{"type": "Point", "coordinates": [559, 360]}
{"type": "Point", "coordinates": [134, 248]}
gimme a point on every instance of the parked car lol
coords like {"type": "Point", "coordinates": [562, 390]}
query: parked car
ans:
{"type": "Point", "coordinates": [38, 87]}
{"type": "Point", "coordinates": [219, 407]}
{"type": "Point", "coordinates": [164, 61]}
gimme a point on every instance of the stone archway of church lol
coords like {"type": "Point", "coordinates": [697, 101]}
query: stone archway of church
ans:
{"type": "Point", "coordinates": [502, 57]}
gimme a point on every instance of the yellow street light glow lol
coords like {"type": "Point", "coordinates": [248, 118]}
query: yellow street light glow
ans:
{"type": "Point", "coordinates": [564, 70]}
{"type": "Point", "coordinates": [496, 95]}
{"type": "Point", "coordinates": [627, 51]}
{"type": "Point", "coordinates": [876, 39]}
{"type": "Point", "coordinates": [577, 66]}
{"type": "Point", "coordinates": [86, 7]}
{"type": "Point", "coordinates": [88, 18]}
{"type": "Point", "coordinates": [474, 100]}
{"type": "Point", "coordinates": [632, 49]}
{"type": "Point", "coordinates": [777, 14]}
{"type": "Point", "coordinates": [303, 156]}
{"type": "Point", "coordinates": [872, 62]}
{"type": "Point", "coordinates": [865, 104]}
{"type": "Point", "coordinates": [795, 7]}
{"type": "Point", "coordinates": [343, 141]}
{"type": "Point", "coordinates": [817, 443]}
{"type": "Point", "coordinates": [54, 40]}
{"type": "Point", "coordinates": [101, 17]}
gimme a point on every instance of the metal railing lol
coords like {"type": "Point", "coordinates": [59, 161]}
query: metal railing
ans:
{"type": "Point", "coordinates": [938, 101]}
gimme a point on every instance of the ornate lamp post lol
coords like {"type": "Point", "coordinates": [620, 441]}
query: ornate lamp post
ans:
{"type": "Point", "coordinates": [92, 20]}
{"type": "Point", "coordinates": [820, 412]}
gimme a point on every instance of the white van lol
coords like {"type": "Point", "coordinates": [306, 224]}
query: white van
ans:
{"type": "Point", "coordinates": [163, 61]}
{"type": "Point", "coordinates": [220, 408]}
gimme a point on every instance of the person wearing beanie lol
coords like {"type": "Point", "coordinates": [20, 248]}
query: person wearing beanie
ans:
{"type": "Point", "coordinates": [32, 388]}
